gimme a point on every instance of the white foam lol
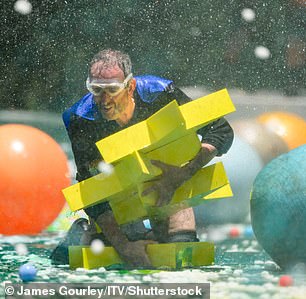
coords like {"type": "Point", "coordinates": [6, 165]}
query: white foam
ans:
{"type": "Point", "coordinates": [248, 14]}
{"type": "Point", "coordinates": [262, 52]}
{"type": "Point", "coordinates": [97, 246]}
{"type": "Point", "coordinates": [21, 249]}
{"type": "Point", "coordinates": [105, 168]}
{"type": "Point", "coordinates": [23, 7]}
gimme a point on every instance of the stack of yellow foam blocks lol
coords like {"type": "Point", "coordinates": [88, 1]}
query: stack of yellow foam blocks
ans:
{"type": "Point", "coordinates": [170, 136]}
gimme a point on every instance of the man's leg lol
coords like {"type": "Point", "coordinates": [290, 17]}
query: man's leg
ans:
{"type": "Point", "coordinates": [182, 227]}
{"type": "Point", "coordinates": [179, 227]}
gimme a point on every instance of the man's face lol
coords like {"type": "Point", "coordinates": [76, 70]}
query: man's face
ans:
{"type": "Point", "coordinates": [111, 106]}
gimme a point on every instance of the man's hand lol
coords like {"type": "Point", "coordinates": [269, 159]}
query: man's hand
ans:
{"type": "Point", "coordinates": [133, 253]}
{"type": "Point", "coordinates": [165, 185]}
{"type": "Point", "coordinates": [173, 177]}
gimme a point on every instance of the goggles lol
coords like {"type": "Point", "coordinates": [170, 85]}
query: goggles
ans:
{"type": "Point", "coordinates": [111, 86]}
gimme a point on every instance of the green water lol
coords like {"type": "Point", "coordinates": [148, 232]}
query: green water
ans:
{"type": "Point", "coordinates": [241, 269]}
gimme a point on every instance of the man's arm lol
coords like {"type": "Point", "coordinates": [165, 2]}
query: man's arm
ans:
{"type": "Point", "coordinates": [133, 253]}
{"type": "Point", "coordinates": [82, 139]}
{"type": "Point", "coordinates": [216, 138]}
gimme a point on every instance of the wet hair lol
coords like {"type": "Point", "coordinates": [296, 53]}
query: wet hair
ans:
{"type": "Point", "coordinates": [110, 58]}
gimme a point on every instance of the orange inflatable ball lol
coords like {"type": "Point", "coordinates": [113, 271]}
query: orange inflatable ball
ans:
{"type": "Point", "coordinates": [33, 171]}
{"type": "Point", "coordinates": [267, 144]}
{"type": "Point", "coordinates": [289, 126]}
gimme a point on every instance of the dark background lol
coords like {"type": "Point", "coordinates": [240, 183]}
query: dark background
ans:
{"type": "Point", "coordinates": [45, 54]}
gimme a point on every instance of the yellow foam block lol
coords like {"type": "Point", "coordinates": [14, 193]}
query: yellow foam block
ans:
{"type": "Point", "coordinates": [208, 183]}
{"type": "Point", "coordinates": [162, 212]}
{"type": "Point", "coordinates": [132, 169]}
{"type": "Point", "coordinates": [204, 181]}
{"type": "Point", "coordinates": [144, 134]}
{"type": "Point", "coordinates": [128, 208]}
{"type": "Point", "coordinates": [202, 254]}
{"type": "Point", "coordinates": [167, 120]}
{"type": "Point", "coordinates": [224, 191]}
{"type": "Point", "coordinates": [75, 257]}
{"type": "Point", "coordinates": [131, 206]}
{"type": "Point", "coordinates": [115, 145]}
{"type": "Point", "coordinates": [181, 255]}
{"type": "Point", "coordinates": [166, 125]}
{"type": "Point", "coordinates": [168, 255]}
{"type": "Point", "coordinates": [108, 257]}
{"type": "Point", "coordinates": [178, 152]}
{"type": "Point", "coordinates": [206, 109]}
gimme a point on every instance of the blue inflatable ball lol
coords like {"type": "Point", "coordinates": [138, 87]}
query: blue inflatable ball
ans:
{"type": "Point", "coordinates": [248, 231]}
{"type": "Point", "coordinates": [242, 163]}
{"type": "Point", "coordinates": [27, 272]}
{"type": "Point", "coordinates": [278, 208]}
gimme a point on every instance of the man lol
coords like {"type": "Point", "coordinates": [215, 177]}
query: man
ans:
{"type": "Point", "coordinates": [116, 101]}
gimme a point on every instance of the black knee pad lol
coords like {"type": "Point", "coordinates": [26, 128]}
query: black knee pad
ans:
{"type": "Point", "coordinates": [182, 236]}
{"type": "Point", "coordinates": [59, 256]}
